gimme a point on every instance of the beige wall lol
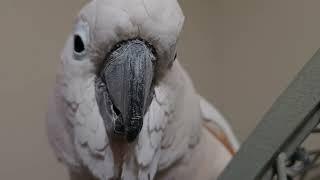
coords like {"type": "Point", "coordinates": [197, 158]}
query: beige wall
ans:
{"type": "Point", "coordinates": [241, 55]}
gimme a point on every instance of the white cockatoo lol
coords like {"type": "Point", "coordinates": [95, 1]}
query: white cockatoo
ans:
{"type": "Point", "coordinates": [124, 108]}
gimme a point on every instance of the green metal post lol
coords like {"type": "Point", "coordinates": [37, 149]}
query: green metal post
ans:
{"type": "Point", "coordinates": [284, 127]}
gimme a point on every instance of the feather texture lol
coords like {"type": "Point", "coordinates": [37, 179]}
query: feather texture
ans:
{"type": "Point", "coordinates": [175, 139]}
{"type": "Point", "coordinates": [218, 125]}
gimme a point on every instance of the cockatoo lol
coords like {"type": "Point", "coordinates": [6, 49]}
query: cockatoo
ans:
{"type": "Point", "coordinates": [123, 106]}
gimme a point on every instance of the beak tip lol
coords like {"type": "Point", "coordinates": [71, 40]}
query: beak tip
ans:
{"type": "Point", "coordinates": [134, 129]}
{"type": "Point", "coordinates": [132, 136]}
{"type": "Point", "coordinates": [130, 139]}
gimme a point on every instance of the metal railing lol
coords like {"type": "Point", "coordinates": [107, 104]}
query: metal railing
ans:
{"type": "Point", "coordinates": [273, 150]}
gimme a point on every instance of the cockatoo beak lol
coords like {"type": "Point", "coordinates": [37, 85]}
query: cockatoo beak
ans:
{"type": "Point", "coordinates": [124, 88]}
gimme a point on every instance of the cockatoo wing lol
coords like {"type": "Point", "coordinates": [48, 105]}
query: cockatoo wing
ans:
{"type": "Point", "coordinates": [218, 125]}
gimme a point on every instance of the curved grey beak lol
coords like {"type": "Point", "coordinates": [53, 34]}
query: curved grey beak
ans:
{"type": "Point", "coordinates": [123, 89]}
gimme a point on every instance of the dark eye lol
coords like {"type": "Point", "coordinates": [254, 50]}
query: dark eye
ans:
{"type": "Point", "coordinates": [80, 40]}
{"type": "Point", "coordinates": [78, 44]}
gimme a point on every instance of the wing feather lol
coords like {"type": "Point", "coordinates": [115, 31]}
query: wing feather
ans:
{"type": "Point", "coordinates": [218, 125]}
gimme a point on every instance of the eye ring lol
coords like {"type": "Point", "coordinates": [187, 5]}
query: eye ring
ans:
{"type": "Point", "coordinates": [80, 40]}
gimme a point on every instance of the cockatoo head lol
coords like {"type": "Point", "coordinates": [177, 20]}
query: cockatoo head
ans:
{"type": "Point", "coordinates": [125, 46]}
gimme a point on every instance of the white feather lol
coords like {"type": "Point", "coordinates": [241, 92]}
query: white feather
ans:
{"type": "Point", "coordinates": [210, 113]}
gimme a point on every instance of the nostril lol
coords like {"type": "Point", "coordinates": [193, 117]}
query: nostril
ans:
{"type": "Point", "coordinates": [116, 110]}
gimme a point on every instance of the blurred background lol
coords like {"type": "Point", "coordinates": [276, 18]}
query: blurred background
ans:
{"type": "Point", "coordinates": [240, 54]}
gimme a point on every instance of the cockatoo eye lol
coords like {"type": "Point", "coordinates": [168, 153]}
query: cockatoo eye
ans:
{"type": "Point", "coordinates": [78, 44]}
{"type": "Point", "coordinates": [80, 40]}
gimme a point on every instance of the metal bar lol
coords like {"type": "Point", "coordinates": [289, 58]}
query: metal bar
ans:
{"type": "Point", "coordinates": [289, 121]}
{"type": "Point", "coordinates": [281, 166]}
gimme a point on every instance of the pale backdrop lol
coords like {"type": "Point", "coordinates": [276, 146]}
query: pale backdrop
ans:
{"type": "Point", "coordinates": [240, 54]}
